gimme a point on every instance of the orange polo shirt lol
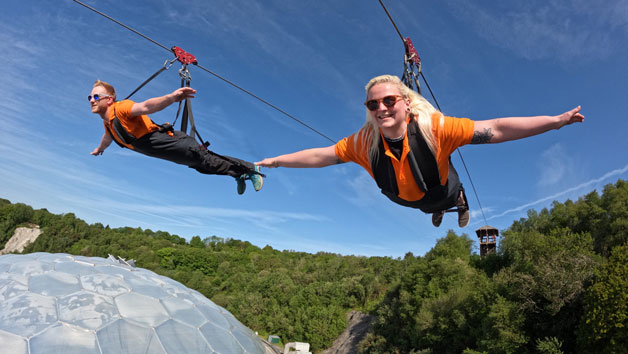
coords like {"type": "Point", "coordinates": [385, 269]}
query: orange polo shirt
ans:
{"type": "Point", "coordinates": [453, 133]}
{"type": "Point", "coordinates": [138, 126]}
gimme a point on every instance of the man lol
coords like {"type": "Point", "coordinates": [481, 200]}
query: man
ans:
{"type": "Point", "coordinates": [127, 123]}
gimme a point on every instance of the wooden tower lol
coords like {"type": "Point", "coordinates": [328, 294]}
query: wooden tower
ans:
{"type": "Point", "coordinates": [487, 236]}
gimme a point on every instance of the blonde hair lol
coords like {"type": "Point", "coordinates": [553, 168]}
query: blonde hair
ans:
{"type": "Point", "coordinates": [421, 110]}
{"type": "Point", "coordinates": [110, 90]}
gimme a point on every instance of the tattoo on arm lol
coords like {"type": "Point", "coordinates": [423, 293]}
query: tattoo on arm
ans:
{"type": "Point", "coordinates": [482, 137]}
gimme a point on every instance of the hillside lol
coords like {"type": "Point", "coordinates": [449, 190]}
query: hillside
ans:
{"type": "Point", "coordinates": [558, 283]}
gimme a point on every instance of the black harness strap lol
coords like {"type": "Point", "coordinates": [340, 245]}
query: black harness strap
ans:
{"type": "Point", "coordinates": [425, 171]}
{"type": "Point", "coordinates": [114, 138]}
{"type": "Point", "coordinates": [166, 66]}
{"type": "Point", "coordinates": [187, 115]}
{"type": "Point", "coordinates": [119, 132]}
{"type": "Point", "coordinates": [124, 135]}
{"type": "Point", "coordinates": [422, 163]}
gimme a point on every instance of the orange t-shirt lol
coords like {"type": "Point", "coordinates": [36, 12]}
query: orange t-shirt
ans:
{"type": "Point", "coordinates": [453, 133]}
{"type": "Point", "coordinates": [138, 126]}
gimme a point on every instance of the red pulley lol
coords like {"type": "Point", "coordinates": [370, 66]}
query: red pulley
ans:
{"type": "Point", "coordinates": [183, 56]}
{"type": "Point", "coordinates": [411, 51]}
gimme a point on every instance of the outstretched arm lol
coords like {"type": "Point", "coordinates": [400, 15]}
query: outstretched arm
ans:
{"type": "Point", "coordinates": [156, 104]}
{"type": "Point", "coordinates": [499, 130]}
{"type": "Point", "coordinates": [104, 143]}
{"type": "Point", "coordinates": [318, 157]}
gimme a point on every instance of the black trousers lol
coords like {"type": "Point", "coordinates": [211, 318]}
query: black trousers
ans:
{"type": "Point", "coordinates": [185, 150]}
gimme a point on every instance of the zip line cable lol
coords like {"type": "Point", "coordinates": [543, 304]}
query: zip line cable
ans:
{"type": "Point", "coordinates": [210, 72]}
{"type": "Point", "coordinates": [277, 108]}
{"type": "Point", "coordinates": [438, 106]}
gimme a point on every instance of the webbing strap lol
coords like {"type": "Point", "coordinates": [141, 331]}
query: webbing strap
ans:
{"type": "Point", "coordinates": [187, 115]}
{"type": "Point", "coordinates": [166, 66]}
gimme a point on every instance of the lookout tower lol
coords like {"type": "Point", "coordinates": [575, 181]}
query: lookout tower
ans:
{"type": "Point", "coordinates": [488, 239]}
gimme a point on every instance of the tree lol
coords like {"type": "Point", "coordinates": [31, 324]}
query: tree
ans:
{"type": "Point", "coordinates": [438, 305]}
{"type": "Point", "coordinates": [196, 242]}
{"type": "Point", "coordinates": [546, 277]}
{"type": "Point", "coordinates": [604, 324]}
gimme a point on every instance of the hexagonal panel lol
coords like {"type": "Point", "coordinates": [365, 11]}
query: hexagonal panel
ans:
{"type": "Point", "coordinates": [180, 338]}
{"type": "Point", "coordinates": [10, 258]}
{"type": "Point", "coordinates": [112, 269]}
{"type": "Point", "coordinates": [88, 260]}
{"type": "Point", "coordinates": [200, 298]}
{"type": "Point", "coordinates": [54, 284]}
{"type": "Point", "coordinates": [184, 311]}
{"type": "Point", "coordinates": [122, 337]}
{"type": "Point", "coordinates": [145, 287]}
{"type": "Point", "coordinates": [27, 314]}
{"type": "Point", "coordinates": [105, 284]}
{"type": "Point", "coordinates": [73, 267]}
{"type": "Point", "coordinates": [4, 267]}
{"type": "Point", "coordinates": [87, 310]}
{"type": "Point", "coordinates": [248, 340]}
{"type": "Point", "coordinates": [142, 309]}
{"type": "Point", "coordinates": [10, 343]}
{"type": "Point", "coordinates": [221, 340]}
{"type": "Point", "coordinates": [10, 288]}
{"type": "Point", "coordinates": [30, 268]}
{"type": "Point", "coordinates": [213, 315]}
{"type": "Point", "coordinates": [52, 258]}
{"type": "Point", "coordinates": [64, 339]}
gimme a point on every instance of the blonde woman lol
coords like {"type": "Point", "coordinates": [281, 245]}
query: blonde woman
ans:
{"type": "Point", "coordinates": [405, 145]}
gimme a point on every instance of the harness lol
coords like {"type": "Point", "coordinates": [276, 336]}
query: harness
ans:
{"type": "Point", "coordinates": [425, 171]}
{"type": "Point", "coordinates": [123, 137]}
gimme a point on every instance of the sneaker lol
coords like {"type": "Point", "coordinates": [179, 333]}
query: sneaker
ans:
{"type": "Point", "coordinates": [463, 216]}
{"type": "Point", "coordinates": [256, 179]}
{"type": "Point", "coordinates": [241, 185]}
{"type": "Point", "coordinates": [437, 218]}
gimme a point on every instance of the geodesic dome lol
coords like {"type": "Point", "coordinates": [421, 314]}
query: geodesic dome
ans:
{"type": "Point", "coordinates": [59, 303]}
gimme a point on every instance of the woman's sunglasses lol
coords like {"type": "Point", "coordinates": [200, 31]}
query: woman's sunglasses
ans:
{"type": "Point", "coordinates": [388, 101]}
{"type": "Point", "coordinates": [97, 97]}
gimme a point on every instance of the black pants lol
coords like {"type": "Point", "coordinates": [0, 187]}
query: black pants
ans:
{"type": "Point", "coordinates": [185, 150]}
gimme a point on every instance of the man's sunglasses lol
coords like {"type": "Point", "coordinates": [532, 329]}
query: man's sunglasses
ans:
{"type": "Point", "coordinates": [97, 97]}
{"type": "Point", "coordinates": [388, 101]}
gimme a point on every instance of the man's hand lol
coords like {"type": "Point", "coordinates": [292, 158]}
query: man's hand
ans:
{"type": "Point", "coordinates": [183, 93]}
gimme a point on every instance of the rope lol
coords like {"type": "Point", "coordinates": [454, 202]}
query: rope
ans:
{"type": "Point", "coordinates": [391, 20]}
{"type": "Point", "coordinates": [121, 24]}
{"type": "Point", "coordinates": [438, 106]}
{"type": "Point", "coordinates": [267, 103]}
{"type": "Point", "coordinates": [212, 73]}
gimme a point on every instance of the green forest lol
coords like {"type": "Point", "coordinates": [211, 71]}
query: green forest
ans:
{"type": "Point", "coordinates": [558, 282]}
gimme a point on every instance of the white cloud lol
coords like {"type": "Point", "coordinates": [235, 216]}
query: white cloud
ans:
{"type": "Point", "coordinates": [544, 29]}
{"type": "Point", "coordinates": [555, 165]}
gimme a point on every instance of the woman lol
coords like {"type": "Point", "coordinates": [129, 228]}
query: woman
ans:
{"type": "Point", "coordinates": [405, 144]}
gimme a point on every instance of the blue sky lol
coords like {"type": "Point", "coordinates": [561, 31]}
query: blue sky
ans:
{"type": "Point", "coordinates": [312, 59]}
